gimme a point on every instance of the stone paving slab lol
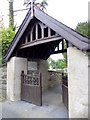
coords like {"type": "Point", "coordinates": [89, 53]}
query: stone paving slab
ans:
{"type": "Point", "coordinates": [52, 107]}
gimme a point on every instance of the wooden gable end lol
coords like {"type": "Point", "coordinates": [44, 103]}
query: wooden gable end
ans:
{"type": "Point", "coordinates": [37, 31]}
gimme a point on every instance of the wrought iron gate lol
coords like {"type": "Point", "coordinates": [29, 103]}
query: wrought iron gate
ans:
{"type": "Point", "coordinates": [65, 90]}
{"type": "Point", "coordinates": [31, 90]}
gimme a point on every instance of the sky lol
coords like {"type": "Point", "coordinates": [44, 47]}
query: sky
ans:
{"type": "Point", "coordinates": [69, 12]}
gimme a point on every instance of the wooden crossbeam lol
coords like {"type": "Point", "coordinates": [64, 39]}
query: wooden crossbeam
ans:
{"type": "Point", "coordinates": [41, 41]}
{"type": "Point", "coordinates": [59, 51]}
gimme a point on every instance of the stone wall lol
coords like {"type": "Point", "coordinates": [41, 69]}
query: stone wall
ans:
{"type": "Point", "coordinates": [55, 78]}
{"type": "Point", "coordinates": [3, 82]}
{"type": "Point", "coordinates": [77, 83]}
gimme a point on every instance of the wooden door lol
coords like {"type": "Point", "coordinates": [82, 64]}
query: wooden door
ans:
{"type": "Point", "coordinates": [31, 90]}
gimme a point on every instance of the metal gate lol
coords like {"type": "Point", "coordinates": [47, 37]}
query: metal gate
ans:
{"type": "Point", "coordinates": [31, 90]}
{"type": "Point", "coordinates": [65, 90]}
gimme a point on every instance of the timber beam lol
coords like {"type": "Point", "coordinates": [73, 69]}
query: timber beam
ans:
{"type": "Point", "coordinates": [41, 41]}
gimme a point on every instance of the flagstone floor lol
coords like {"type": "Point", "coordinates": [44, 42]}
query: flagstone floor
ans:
{"type": "Point", "coordinates": [52, 107]}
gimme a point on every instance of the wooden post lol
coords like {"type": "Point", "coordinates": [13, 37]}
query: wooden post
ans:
{"type": "Point", "coordinates": [42, 32]}
{"type": "Point", "coordinates": [49, 32]}
{"type": "Point", "coordinates": [26, 39]}
{"type": "Point", "coordinates": [36, 31]}
{"type": "Point", "coordinates": [32, 8]}
{"type": "Point", "coordinates": [31, 36]}
{"type": "Point", "coordinates": [62, 44]}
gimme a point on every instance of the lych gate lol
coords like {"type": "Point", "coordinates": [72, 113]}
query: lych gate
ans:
{"type": "Point", "coordinates": [38, 37]}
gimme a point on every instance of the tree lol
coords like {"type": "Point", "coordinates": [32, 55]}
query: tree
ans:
{"type": "Point", "coordinates": [11, 15]}
{"type": "Point", "coordinates": [82, 27]}
{"type": "Point", "coordinates": [59, 64]}
{"type": "Point", "coordinates": [6, 36]}
{"type": "Point", "coordinates": [51, 63]}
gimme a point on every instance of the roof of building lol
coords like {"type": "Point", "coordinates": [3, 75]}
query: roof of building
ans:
{"type": "Point", "coordinates": [80, 41]}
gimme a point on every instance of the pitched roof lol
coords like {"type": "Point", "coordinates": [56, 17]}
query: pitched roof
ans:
{"type": "Point", "coordinates": [80, 41]}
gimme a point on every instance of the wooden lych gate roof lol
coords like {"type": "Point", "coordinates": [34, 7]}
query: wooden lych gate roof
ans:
{"type": "Point", "coordinates": [59, 31]}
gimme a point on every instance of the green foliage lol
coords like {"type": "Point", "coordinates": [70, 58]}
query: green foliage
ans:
{"type": "Point", "coordinates": [6, 36]}
{"type": "Point", "coordinates": [88, 53]}
{"type": "Point", "coordinates": [59, 64]}
{"type": "Point", "coordinates": [83, 28]}
{"type": "Point", "coordinates": [51, 63]}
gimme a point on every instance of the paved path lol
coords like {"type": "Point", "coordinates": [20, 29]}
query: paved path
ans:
{"type": "Point", "coordinates": [52, 107]}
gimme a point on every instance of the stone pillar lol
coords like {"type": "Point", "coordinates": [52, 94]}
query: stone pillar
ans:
{"type": "Point", "coordinates": [14, 68]}
{"type": "Point", "coordinates": [89, 87]}
{"type": "Point", "coordinates": [43, 69]}
{"type": "Point", "coordinates": [77, 83]}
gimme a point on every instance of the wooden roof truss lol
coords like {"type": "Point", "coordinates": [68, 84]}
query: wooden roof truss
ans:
{"type": "Point", "coordinates": [39, 35]}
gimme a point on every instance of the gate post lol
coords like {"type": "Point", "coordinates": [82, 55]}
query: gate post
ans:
{"type": "Point", "coordinates": [77, 83]}
{"type": "Point", "coordinates": [14, 67]}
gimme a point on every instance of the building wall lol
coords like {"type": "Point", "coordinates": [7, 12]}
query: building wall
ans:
{"type": "Point", "coordinates": [77, 83]}
{"type": "Point", "coordinates": [14, 68]}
